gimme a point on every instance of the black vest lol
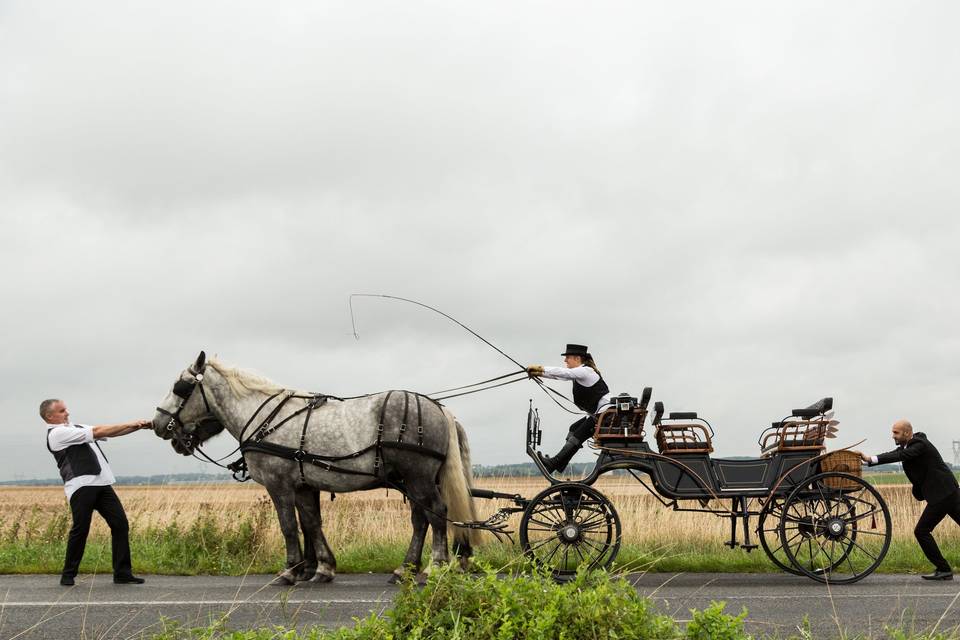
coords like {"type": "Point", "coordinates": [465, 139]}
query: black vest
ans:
{"type": "Point", "coordinates": [587, 398]}
{"type": "Point", "coordinates": [76, 460]}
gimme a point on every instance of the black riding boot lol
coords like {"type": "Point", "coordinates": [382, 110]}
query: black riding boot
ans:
{"type": "Point", "coordinates": [560, 461]}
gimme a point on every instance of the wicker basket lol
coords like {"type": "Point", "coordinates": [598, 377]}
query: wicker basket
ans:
{"type": "Point", "coordinates": [843, 462]}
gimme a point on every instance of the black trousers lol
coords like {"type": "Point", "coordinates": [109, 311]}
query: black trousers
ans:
{"type": "Point", "coordinates": [929, 519]}
{"type": "Point", "coordinates": [103, 500]}
{"type": "Point", "coordinates": [583, 428]}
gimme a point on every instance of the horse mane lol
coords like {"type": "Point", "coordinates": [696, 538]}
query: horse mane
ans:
{"type": "Point", "coordinates": [242, 382]}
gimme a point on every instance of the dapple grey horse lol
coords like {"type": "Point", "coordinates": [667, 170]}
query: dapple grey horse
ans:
{"type": "Point", "coordinates": [432, 467]}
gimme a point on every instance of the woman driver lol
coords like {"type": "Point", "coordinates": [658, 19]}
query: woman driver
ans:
{"type": "Point", "coordinates": [590, 394]}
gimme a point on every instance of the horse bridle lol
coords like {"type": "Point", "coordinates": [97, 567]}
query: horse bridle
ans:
{"type": "Point", "coordinates": [184, 389]}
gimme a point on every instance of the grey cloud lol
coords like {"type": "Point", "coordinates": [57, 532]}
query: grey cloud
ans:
{"type": "Point", "coordinates": [744, 206]}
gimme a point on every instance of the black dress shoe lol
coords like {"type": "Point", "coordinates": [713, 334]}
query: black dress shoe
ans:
{"type": "Point", "coordinates": [939, 575]}
{"type": "Point", "coordinates": [66, 581]}
{"type": "Point", "coordinates": [128, 580]}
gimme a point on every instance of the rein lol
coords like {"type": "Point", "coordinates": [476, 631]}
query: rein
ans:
{"type": "Point", "coordinates": [522, 375]}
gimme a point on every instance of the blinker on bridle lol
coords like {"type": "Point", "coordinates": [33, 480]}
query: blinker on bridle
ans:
{"type": "Point", "coordinates": [184, 389]}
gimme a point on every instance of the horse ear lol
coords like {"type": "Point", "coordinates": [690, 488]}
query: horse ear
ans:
{"type": "Point", "coordinates": [201, 360]}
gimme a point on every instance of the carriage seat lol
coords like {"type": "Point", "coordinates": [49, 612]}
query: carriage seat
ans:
{"type": "Point", "coordinates": [804, 430]}
{"type": "Point", "coordinates": [793, 435]}
{"type": "Point", "coordinates": [622, 423]}
{"type": "Point", "coordinates": [682, 432]}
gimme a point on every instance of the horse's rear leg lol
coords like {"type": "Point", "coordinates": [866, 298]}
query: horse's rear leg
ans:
{"type": "Point", "coordinates": [463, 551]}
{"type": "Point", "coordinates": [321, 567]}
{"type": "Point", "coordinates": [284, 502]}
{"type": "Point", "coordinates": [411, 562]}
{"type": "Point", "coordinates": [427, 495]}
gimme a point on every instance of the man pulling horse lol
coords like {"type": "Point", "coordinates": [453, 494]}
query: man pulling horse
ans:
{"type": "Point", "coordinates": [297, 444]}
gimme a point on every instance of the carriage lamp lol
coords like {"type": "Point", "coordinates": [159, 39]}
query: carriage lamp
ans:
{"type": "Point", "coordinates": [625, 403]}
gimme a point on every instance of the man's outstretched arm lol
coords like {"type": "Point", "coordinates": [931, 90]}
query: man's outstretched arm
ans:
{"type": "Point", "coordinates": [113, 430]}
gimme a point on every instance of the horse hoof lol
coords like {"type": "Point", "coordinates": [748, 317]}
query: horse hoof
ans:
{"type": "Point", "coordinates": [322, 577]}
{"type": "Point", "coordinates": [421, 579]}
{"type": "Point", "coordinates": [464, 563]}
{"type": "Point", "coordinates": [282, 580]}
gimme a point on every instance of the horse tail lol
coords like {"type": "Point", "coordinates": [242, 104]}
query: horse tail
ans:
{"type": "Point", "coordinates": [456, 478]}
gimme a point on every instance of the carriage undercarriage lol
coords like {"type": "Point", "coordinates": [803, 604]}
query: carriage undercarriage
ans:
{"type": "Point", "coordinates": [811, 512]}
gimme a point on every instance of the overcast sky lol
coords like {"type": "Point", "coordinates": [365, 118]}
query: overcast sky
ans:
{"type": "Point", "coordinates": [746, 206]}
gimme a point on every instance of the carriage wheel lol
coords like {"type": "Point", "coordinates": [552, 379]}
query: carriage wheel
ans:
{"type": "Point", "coordinates": [768, 530]}
{"type": "Point", "coordinates": [569, 525]}
{"type": "Point", "coordinates": [835, 528]}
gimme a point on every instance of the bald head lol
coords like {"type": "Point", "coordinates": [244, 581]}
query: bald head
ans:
{"type": "Point", "coordinates": [902, 431]}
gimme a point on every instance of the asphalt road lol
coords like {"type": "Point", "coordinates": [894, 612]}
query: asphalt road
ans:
{"type": "Point", "coordinates": [38, 607]}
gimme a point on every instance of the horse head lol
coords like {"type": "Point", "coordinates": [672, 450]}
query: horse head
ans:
{"type": "Point", "coordinates": [184, 415]}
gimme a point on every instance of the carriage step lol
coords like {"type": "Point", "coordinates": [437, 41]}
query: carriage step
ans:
{"type": "Point", "coordinates": [749, 547]}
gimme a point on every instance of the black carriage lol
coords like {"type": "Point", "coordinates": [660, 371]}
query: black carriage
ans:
{"type": "Point", "coordinates": [814, 514]}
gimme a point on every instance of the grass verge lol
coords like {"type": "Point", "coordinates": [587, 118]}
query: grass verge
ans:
{"type": "Point", "coordinates": [225, 553]}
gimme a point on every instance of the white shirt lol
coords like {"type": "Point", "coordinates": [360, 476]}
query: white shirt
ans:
{"type": "Point", "coordinates": [61, 436]}
{"type": "Point", "coordinates": [585, 376]}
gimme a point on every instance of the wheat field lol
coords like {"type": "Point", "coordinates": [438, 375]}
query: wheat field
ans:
{"type": "Point", "coordinates": [381, 519]}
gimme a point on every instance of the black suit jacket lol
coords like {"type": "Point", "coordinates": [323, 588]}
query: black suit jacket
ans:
{"type": "Point", "coordinates": [930, 476]}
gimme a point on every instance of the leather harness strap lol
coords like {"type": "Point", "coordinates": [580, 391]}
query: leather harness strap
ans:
{"type": "Point", "coordinates": [256, 441]}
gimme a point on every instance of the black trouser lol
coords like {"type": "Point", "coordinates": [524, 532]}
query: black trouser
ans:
{"type": "Point", "coordinates": [929, 519]}
{"type": "Point", "coordinates": [583, 428]}
{"type": "Point", "coordinates": [104, 500]}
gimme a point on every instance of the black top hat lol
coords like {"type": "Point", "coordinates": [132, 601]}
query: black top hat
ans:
{"type": "Point", "coordinates": [577, 350]}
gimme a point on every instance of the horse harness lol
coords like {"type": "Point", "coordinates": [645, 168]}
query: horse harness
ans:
{"type": "Point", "coordinates": [256, 440]}
{"type": "Point", "coordinates": [183, 389]}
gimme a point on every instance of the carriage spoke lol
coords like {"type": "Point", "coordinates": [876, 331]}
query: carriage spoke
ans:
{"type": "Point", "coordinates": [576, 548]}
{"type": "Point", "coordinates": [569, 511]}
{"type": "Point", "coordinates": [543, 529]}
{"type": "Point", "coordinates": [544, 542]}
{"type": "Point", "coordinates": [865, 532]}
{"type": "Point", "coordinates": [595, 515]}
{"type": "Point", "coordinates": [861, 516]}
{"type": "Point", "coordinates": [553, 553]}
{"type": "Point", "coordinates": [859, 546]}
{"type": "Point", "coordinates": [594, 545]}
{"type": "Point", "coordinates": [553, 525]}
{"type": "Point", "coordinates": [550, 512]}
{"type": "Point", "coordinates": [829, 556]}
{"type": "Point", "coordinates": [853, 569]}
{"type": "Point", "coordinates": [593, 526]}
